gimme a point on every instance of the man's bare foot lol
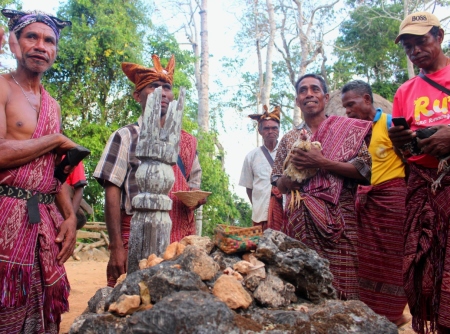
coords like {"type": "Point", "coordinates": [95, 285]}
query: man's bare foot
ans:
{"type": "Point", "coordinates": [403, 320]}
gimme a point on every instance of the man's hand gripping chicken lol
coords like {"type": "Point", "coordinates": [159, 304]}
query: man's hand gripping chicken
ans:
{"type": "Point", "coordinates": [299, 175]}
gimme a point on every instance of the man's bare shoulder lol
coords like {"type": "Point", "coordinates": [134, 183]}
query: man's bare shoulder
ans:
{"type": "Point", "coordinates": [5, 88]}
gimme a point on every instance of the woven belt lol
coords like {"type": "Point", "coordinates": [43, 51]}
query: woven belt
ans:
{"type": "Point", "coordinates": [32, 200]}
{"type": "Point", "coordinates": [21, 193]}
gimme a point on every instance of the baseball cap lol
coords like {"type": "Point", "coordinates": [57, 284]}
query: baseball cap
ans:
{"type": "Point", "coordinates": [417, 24]}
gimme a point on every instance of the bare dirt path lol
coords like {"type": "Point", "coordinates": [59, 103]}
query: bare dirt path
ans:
{"type": "Point", "coordinates": [87, 276]}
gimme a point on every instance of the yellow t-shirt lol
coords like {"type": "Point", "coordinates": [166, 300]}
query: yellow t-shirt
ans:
{"type": "Point", "coordinates": [386, 164]}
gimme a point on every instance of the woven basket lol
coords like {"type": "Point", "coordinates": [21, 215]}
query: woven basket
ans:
{"type": "Point", "coordinates": [191, 198]}
{"type": "Point", "coordinates": [231, 239]}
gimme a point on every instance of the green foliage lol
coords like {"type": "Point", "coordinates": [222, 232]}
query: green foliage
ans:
{"type": "Point", "coordinates": [10, 4]}
{"type": "Point", "coordinates": [93, 136]}
{"type": "Point", "coordinates": [366, 48]}
{"type": "Point", "coordinates": [87, 78]}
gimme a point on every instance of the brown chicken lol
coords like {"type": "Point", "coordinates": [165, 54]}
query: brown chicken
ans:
{"type": "Point", "coordinates": [304, 143]}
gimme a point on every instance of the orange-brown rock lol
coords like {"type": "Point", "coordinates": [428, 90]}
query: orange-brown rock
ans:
{"type": "Point", "coordinates": [155, 261]}
{"type": "Point", "coordinates": [202, 242]}
{"type": "Point", "coordinates": [145, 293]}
{"type": "Point", "coordinates": [143, 264]}
{"type": "Point", "coordinates": [121, 279]}
{"type": "Point", "coordinates": [171, 251]}
{"type": "Point", "coordinates": [151, 257]}
{"type": "Point", "coordinates": [244, 267]}
{"type": "Point", "coordinates": [229, 290]}
{"type": "Point", "coordinates": [180, 248]}
{"type": "Point", "coordinates": [125, 305]}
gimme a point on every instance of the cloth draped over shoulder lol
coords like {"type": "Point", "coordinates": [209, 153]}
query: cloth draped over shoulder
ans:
{"type": "Point", "coordinates": [341, 140]}
{"type": "Point", "coordinates": [183, 220]}
{"type": "Point", "coordinates": [19, 239]}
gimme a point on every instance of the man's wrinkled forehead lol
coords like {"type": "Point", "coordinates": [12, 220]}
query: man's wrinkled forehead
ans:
{"type": "Point", "coordinates": [38, 27]}
{"type": "Point", "coordinates": [309, 82]}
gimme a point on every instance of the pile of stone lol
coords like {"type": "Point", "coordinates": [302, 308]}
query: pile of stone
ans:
{"type": "Point", "coordinates": [282, 287]}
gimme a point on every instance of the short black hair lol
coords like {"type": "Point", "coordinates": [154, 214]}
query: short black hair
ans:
{"type": "Point", "coordinates": [434, 31]}
{"type": "Point", "coordinates": [358, 86]}
{"type": "Point", "coordinates": [315, 76]}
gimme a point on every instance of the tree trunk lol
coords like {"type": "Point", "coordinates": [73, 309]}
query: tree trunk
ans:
{"type": "Point", "coordinates": [265, 94]}
{"type": "Point", "coordinates": [409, 65]}
{"type": "Point", "coordinates": [203, 94]}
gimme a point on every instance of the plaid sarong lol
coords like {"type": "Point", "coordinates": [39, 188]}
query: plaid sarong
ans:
{"type": "Point", "coordinates": [426, 266]}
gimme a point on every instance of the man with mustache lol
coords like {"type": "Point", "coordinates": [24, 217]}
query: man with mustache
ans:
{"type": "Point", "coordinates": [35, 240]}
{"type": "Point", "coordinates": [267, 206]}
{"type": "Point", "coordinates": [423, 101]}
{"type": "Point", "coordinates": [118, 165]}
{"type": "Point", "coordinates": [325, 218]}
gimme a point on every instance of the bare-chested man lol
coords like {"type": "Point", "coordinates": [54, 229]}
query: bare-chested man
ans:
{"type": "Point", "coordinates": [35, 240]}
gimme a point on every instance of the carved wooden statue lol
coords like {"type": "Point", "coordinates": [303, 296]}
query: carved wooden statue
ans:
{"type": "Point", "coordinates": [158, 151]}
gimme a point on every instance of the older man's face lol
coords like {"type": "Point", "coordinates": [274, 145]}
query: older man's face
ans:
{"type": "Point", "coordinates": [37, 47]}
{"type": "Point", "coordinates": [422, 50]}
{"type": "Point", "coordinates": [166, 98]}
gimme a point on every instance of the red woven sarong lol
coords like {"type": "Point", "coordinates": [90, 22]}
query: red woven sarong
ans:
{"type": "Point", "coordinates": [183, 220]}
{"type": "Point", "coordinates": [381, 217]}
{"type": "Point", "coordinates": [19, 239]}
{"type": "Point", "coordinates": [325, 220]}
{"type": "Point", "coordinates": [426, 265]}
{"type": "Point", "coordinates": [276, 217]}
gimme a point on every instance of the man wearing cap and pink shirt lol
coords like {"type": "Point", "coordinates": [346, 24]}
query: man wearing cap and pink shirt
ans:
{"type": "Point", "coordinates": [424, 105]}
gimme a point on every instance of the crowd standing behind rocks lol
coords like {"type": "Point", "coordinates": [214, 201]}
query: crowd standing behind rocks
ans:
{"type": "Point", "coordinates": [382, 237]}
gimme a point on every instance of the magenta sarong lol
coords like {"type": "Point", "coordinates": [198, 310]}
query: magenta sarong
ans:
{"type": "Point", "coordinates": [19, 240]}
{"type": "Point", "coordinates": [326, 220]}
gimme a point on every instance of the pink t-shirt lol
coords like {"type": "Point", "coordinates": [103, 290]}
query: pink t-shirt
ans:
{"type": "Point", "coordinates": [423, 106]}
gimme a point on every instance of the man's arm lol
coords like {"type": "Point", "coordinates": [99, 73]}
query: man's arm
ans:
{"type": "Point", "coordinates": [117, 264]}
{"type": "Point", "coordinates": [77, 197]}
{"type": "Point", "coordinates": [249, 194]}
{"type": "Point", "coordinates": [438, 145]}
{"type": "Point", "coordinates": [16, 153]}
{"type": "Point", "coordinates": [195, 179]}
{"type": "Point", "coordinates": [314, 159]}
{"type": "Point", "coordinates": [67, 230]}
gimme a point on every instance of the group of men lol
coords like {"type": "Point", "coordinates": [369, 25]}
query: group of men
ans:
{"type": "Point", "coordinates": [359, 166]}
{"type": "Point", "coordinates": [374, 209]}
{"type": "Point", "coordinates": [38, 221]}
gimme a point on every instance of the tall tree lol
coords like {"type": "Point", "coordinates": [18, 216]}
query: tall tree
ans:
{"type": "Point", "coordinates": [366, 48]}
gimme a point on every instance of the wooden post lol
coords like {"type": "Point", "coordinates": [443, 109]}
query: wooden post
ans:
{"type": "Point", "coordinates": [158, 151]}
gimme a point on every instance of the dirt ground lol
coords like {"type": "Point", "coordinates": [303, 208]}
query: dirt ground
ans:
{"type": "Point", "coordinates": [85, 277]}
{"type": "Point", "coordinates": [88, 275]}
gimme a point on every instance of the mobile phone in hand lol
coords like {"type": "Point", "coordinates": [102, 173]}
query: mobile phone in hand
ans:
{"type": "Point", "coordinates": [400, 121]}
